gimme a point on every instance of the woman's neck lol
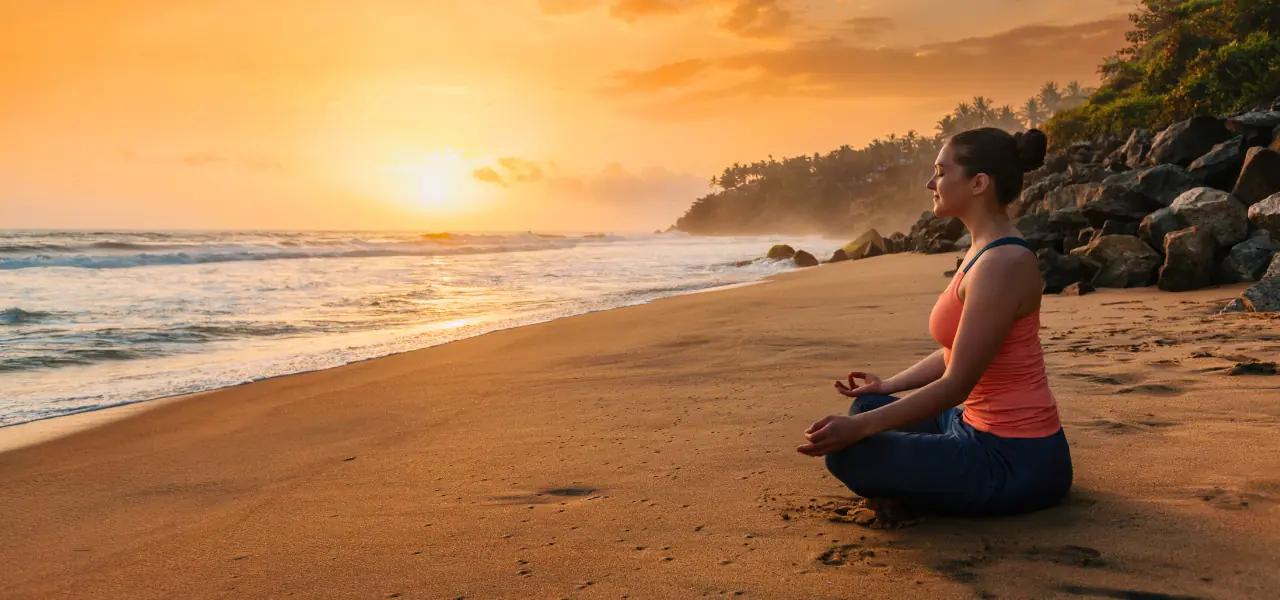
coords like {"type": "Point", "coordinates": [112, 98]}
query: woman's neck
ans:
{"type": "Point", "coordinates": [987, 227]}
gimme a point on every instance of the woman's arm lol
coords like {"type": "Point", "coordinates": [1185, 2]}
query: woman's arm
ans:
{"type": "Point", "coordinates": [928, 370]}
{"type": "Point", "coordinates": [991, 307]}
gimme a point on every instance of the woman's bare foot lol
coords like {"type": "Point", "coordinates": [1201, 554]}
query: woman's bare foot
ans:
{"type": "Point", "coordinates": [877, 513]}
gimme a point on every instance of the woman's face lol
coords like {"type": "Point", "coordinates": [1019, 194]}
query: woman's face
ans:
{"type": "Point", "coordinates": [953, 192]}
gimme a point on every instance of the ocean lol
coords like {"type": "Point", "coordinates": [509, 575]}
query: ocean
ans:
{"type": "Point", "coordinates": [90, 320]}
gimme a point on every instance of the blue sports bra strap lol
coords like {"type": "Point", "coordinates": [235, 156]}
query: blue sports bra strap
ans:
{"type": "Point", "coordinates": [1004, 241]}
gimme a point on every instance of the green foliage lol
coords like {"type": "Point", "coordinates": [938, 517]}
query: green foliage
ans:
{"type": "Point", "coordinates": [1185, 58]}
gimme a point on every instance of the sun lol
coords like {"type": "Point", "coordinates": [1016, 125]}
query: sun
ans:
{"type": "Point", "coordinates": [436, 182]}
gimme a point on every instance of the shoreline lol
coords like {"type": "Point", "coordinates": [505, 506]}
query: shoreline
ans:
{"type": "Point", "coordinates": [28, 433]}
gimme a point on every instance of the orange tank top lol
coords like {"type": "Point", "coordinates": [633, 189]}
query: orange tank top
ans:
{"type": "Point", "coordinates": [1013, 398]}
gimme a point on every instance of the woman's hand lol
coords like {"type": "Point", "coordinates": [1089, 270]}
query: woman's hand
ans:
{"type": "Point", "coordinates": [833, 433]}
{"type": "Point", "coordinates": [873, 385]}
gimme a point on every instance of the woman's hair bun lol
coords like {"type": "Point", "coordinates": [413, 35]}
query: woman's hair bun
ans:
{"type": "Point", "coordinates": [1031, 146]}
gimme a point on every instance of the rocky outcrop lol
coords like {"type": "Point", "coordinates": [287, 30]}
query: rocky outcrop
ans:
{"type": "Point", "coordinates": [781, 252]}
{"type": "Point", "coordinates": [933, 235]}
{"type": "Point", "coordinates": [1215, 212]}
{"type": "Point", "coordinates": [1260, 176]}
{"type": "Point", "coordinates": [867, 245]}
{"type": "Point", "coordinates": [1265, 214]}
{"type": "Point", "coordinates": [1183, 142]}
{"type": "Point", "coordinates": [1125, 260]}
{"type": "Point", "coordinates": [804, 259]}
{"type": "Point", "coordinates": [1188, 261]}
{"type": "Point", "coordinates": [838, 256]}
{"type": "Point", "coordinates": [1063, 197]}
{"type": "Point", "coordinates": [1263, 296]}
{"type": "Point", "coordinates": [1134, 150]}
{"type": "Point", "coordinates": [1061, 271]}
{"type": "Point", "coordinates": [1220, 167]}
{"type": "Point", "coordinates": [1248, 260]}
{"type": "Point", "coordinates": [1114, 227]}
{"type": "Point", "coordinates": [1157, 225]}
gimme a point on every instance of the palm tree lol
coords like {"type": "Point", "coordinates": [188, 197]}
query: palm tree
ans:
{"type": "Point", "coordinates": [947, 125]}
{"type": "Point", "coordinates": [1073, 89]}
{"type": "Point", "coordinates": [1050, 97]}
{"type": "Point", "coordinates": [1006, 119]}
{"type": "Point", "coordinates": [1032, 113]}
{"type": "Point", "coordinates": [982, 110]}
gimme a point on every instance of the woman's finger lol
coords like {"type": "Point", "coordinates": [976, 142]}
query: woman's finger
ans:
{"type": "Point", "coordinates": [819, 424]}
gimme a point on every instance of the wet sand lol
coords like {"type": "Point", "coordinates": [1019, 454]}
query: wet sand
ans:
{"type": "Point", "coordinates": [648, 452]}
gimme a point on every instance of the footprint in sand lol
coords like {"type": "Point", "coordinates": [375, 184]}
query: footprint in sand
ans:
{"type": "Point", "coordinates": [1231, 498]}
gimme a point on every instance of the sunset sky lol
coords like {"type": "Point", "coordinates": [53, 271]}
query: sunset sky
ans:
{"type": "Point", "coordinates": [572, 115]}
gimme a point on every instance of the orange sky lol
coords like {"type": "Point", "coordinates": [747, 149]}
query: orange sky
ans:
{"type": "Point", "coordinates": [571, 115]}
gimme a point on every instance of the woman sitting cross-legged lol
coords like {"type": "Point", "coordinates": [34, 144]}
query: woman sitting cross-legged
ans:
{"type": "Point", "coordinates": [980, 435]}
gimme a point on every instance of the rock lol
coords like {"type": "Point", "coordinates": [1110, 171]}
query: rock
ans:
{"type": "Point", "coordinates": [1253, 368]}
{"type": "Point", "coordinates": [867, 245]}
{"type": "Point", "coordinates": [965, 242]}
{"type": "Point", "coordinates": [1275, 139]}
{"type": "Point", "coordinates": [657, 232]}
{"type": "Point", "coordinates": [1185, 141]}
{"type": "Point", "coordinates": [952, 272]}
{"type": "Point", "coordinates": [781, 252]}
{"type": "Point", "coordinates": [1126, 261]}
{"type": "Point", "coordinates": [1188, 262]}
{"type": "Point", "coordinates": [804, 259]}
{"type": "Point", "coordinates": [1134, 151]}
{"type": "Point", "coordinates": [1131, 195]}
{"type": "Point", "coordinates": [1164, 183]}
{"type": "Point", "coordinates": [1265, 214]}
{"type": "Point", "coordinates": [947, 228]}
{"type": "Point", "coordinates": [1215, 212]}
{"type": "Point", "coordinates": [1235, 305]}
{"type": "Point", "coordinates": [1263, 296]}
{"type": "Point", "coordinates": [898, 242]}
{"type": "Point", "coordinates": [1067, 221]}
{"type": "Point", "coordinates": [1057, 163]}
{"type": "Point", "coordinates": [1032, 194]}
{"type": "Point", "coordinates": [1063, 197]}
{"type": "Point", "coordinates": [1220, 167]}
{"type": "Point", "coordinates": [1157, 225]}
{"type": "Point", "coordinates": [1082, 238]}
{"type": "Point", "coordinates": [1273, 271]}
{"type": "Point", "coordinates": [1088, 173]}
{"type": "Point", "coordinates": [1269, 119]}
{"type": "Point", "coordinates": [838, 256]}
{"type": "Point", "coordinates": [1031, 224]}
{"type": "Point", "coordinates": [1036, 230]}
{"type": "Point", "coordinates": [1079, 289]}
{"type": "Point", "coordinates": [1260, 176]}
{"type": "Point", "coordinates": [1248, 260]}
{"type": "Point", "coordinates": [1113, 227]}
{"type": "Point", "coordinates": [1060, 271]}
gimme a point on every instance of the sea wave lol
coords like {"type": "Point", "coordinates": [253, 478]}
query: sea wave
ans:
{"type": "Point", "coordinates": [17, 316]}
{"type": "Point", "coordinates": [126, 254]}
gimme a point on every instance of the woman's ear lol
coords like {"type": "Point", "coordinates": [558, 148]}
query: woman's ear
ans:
{"type": "Point", "coordinates": [980, 183]}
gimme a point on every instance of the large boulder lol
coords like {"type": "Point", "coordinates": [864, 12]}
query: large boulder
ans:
{"type": "Point", "coordinates": [804, 259]}
{"type": "Point", "coordinates": [1260, 176]}
{"type": "Point", "coordinates": [1263, 296]}
{"type": "Point", "coordinates": [1067, 221]}
{"type": "Point", "coordinates": [1035, 229]}
{"type": "Point", "coordinates": [1248, 260]}
{"type": "Point", "coordinates": [1275, 139]}
{"type": "Point", "coordinates": [1033, 193]}
{"type": "Point", "coordinates": [1059, 198]}
{"type": "Point", "coordinates": [1134, 150]}
{"type": "Point", "coordinates": [1220, 167]}
{"type": "Point", "coordinates": [1185, 141]}
{"type": "Point", "coordinates": [1061, 271]}
{"type": "Point", "coordinates": [781, 252]}
{"type": "Point", "coordinates": [1215, 212]}
{"type": "Point", "coordinates": [1265, 214]}
{"type": "Point", "coordinates": [1117, 198]}
{"type": "Point", "coordinates": [1188, 261]}
{"type": "Point", "coordinates": [1156, 226]}
{"type": "Point", "coordinates": [838, 256]}
{"type": "Point", "coordinates": [1164, 183]}
{"type": "Point", "coordinates": [1113, 227]}
{"type": "Point", "coordinates": [867, 245]}
{"type": "Point", "coordinates": [1126, 261]}
{"type": "Point", "coordinates": [897, 242]}
{"type": "Point", "coordinates": [1255, 127]}
{"type": "Point", "coordinates": [1273, 271]}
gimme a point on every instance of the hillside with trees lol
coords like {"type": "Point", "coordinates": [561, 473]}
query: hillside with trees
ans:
{"type": "Point", "coordinates": [1184, 58]}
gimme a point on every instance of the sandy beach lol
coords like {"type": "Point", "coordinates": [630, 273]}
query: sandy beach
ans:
{"type": "Point", "coordinates": [648, 452]}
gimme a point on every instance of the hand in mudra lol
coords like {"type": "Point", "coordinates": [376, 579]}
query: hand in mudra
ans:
{"type": "Point", "coordinates": [873, 385]}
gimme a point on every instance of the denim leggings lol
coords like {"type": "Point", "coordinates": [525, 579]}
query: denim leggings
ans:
{"type": "Point", "coordinates": [945, 466]}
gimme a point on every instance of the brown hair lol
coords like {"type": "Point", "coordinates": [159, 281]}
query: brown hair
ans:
{"type": "Point", "coordinates": [1003, 157]}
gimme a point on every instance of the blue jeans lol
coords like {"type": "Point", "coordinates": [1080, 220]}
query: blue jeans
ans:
{"type": "Point", "coordinates": [945, 466]}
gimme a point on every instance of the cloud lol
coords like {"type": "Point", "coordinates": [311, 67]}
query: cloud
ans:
{"type": "Point", "coordinates": [868, 27]}
{"type": "Point", "coordinates": [666, 76]}
{"type": "Point", "coordinates": [757, 18]}
{"type": "Point", "coordinates": [999, 65]}
{"type": "Point", "coordinates": [556, 8]}
{"type": "Point", "coordinates": [633, 10]}
{"type": "Point", "coordinates": [488, 175]}
{"type": "Point", "coordinates": [521, 170]}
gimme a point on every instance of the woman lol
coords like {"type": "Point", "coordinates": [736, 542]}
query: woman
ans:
{"type": "Point", "coordinates": [1004, 452]}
